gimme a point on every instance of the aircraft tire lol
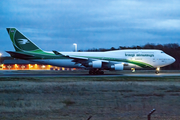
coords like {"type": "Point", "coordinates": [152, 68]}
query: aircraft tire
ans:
{"type": "Point", "coordinates": [91, 72]}
{"type": "Point", "coordinates": [101, 72]}
{"type": "Point", "coordinates": [157, 72]}
{"type": "Point", "coordinates": [96, 72]}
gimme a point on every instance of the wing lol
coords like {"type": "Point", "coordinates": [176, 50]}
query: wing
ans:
{"type": "Point", "coordinates": [84, 61]}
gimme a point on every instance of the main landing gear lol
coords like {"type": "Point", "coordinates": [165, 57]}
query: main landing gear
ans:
{"type": "Point", "coordinates": [96, 72]}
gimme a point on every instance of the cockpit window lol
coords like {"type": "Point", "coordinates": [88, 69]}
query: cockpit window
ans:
{"type": "Point", "coordinates": [162, 52]}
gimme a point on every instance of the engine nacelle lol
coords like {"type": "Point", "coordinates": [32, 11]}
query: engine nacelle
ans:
{"type": "Point", "coordinates": [117, 67]}
{"type": "Point", "coordinates": [96, 64]}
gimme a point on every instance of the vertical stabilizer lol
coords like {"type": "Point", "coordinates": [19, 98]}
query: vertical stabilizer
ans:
{"type": "Point", "coordinates": [20, 42]}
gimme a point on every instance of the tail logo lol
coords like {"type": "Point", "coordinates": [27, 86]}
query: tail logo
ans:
{"type": "Point", "coordinates": [23, 41]}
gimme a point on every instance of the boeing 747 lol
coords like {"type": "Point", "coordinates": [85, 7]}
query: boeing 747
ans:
{"type": "Point", "coordinates": [95, 62]}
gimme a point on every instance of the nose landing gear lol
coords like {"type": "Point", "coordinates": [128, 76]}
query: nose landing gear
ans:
{"type": "Point", "coordinates": [157, 70]}
{"type": "Point", "coordinates": [133, 69]}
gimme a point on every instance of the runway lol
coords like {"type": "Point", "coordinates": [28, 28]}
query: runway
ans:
{"type": "Point", "coordinates": [41, 74]}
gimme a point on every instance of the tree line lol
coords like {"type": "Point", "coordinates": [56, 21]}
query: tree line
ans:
{"type": "Point", "coordinates": [172, 49]}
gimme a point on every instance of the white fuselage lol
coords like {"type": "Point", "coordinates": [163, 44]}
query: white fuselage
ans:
{"type": "Point", "coordinates": [130, 58]}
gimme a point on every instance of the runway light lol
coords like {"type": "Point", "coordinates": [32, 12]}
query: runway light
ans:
{"type": "Point", "coordinates": [3, 66]}
{"type": "Point", "coordinates": [16, 66]}
{"type": "Point", "coordinates": [49, 66]}
{"type": "Point", "coordinates": [43, 66]}
{"type": "Point", "coordinates": [22, 66]}
{"type": "Point", "coordinates": [29, 66]}
{"type": "Point", "coordinates": [9, 67]}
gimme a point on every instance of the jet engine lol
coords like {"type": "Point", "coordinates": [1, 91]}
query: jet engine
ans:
{"type": "Point", "coordinates": [96, 64]}
{"type": "Point", "coordinates": [117, 67]}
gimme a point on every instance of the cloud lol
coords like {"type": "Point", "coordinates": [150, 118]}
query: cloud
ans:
{"type": "Point", "coordinates": [102, 23]}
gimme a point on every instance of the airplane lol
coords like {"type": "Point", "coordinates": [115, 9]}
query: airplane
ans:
{"type": "Point", "coordinates": [95, 62]}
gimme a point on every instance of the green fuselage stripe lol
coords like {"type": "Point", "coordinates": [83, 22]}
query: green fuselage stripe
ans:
{"type": "Point", "coordinates": [140, 64]}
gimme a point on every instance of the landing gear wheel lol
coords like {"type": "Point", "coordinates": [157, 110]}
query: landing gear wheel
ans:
{"type": "Point", "coordinates": [101, 72]}
{"type": "Point", "coordinates": [157, 72]}
{"type": "Point", "coordinates": [96, 72]}
{"type": "Point", "coordinates": [91, 72]}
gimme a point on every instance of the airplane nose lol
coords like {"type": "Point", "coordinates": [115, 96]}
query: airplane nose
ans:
{"type": "Point", "coordinates": [173, 60]}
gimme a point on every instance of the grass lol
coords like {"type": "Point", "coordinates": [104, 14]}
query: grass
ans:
{"type": "Point", "coordinates": [103, 98]}
{"type": "Point", "coordinates": [65, 79]}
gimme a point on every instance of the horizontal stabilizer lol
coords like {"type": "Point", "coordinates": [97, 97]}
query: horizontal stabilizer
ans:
{"type": "Point", "coordinates": [19, 55]}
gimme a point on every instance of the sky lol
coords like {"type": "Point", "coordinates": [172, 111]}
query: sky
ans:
{"type": "Point", "coordinates": [57, 24]}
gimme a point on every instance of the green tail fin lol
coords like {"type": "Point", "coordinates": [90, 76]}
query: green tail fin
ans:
{"type": "Point", "coordinates": [20, 42]}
